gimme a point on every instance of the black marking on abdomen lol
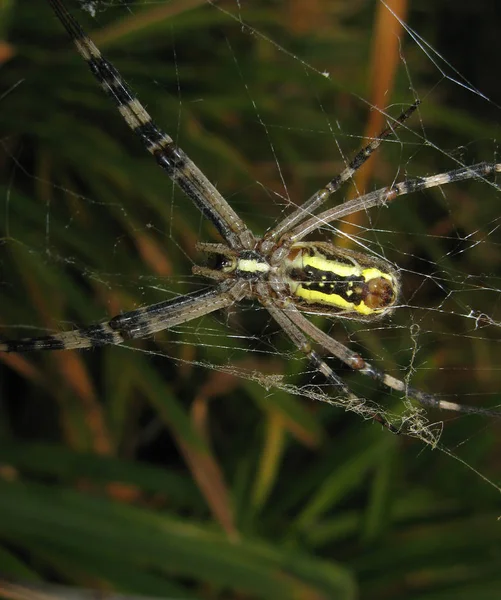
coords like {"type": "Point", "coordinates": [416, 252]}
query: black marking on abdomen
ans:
{"type": "Point", "coordinates": [332, 284]}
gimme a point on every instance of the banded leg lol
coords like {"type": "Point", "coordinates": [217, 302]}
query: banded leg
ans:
{"type": "Point", "coordinates": [168, 155]}
{"type": "Point", "coordinates": [353, 402]}
{"type": "Point", "coordinates": [385, 195]}
{"type": "Point", "coordinates": [325, 193]}
{"type": "Point", "coordinates": [133, 324]}
{"type": "Point", "coordinates": [357, 363]}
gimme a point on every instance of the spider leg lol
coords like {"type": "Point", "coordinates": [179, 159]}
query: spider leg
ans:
{"type": "Point", "coordinates": [353, 402]}
{"type": "Point", "coordinates": [168, 155]}
{"type": "Point", "coordinates": [133, 324]}
{"type": "Point", "coordinates": [384, 196]}
{"type": "Point", "coordinates": [357, 363]}
{"type": "Point", "coordinates": [325, 193]}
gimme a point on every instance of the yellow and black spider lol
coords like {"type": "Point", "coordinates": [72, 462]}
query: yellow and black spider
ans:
{"type": "Point", "coordinates": [287, 275]}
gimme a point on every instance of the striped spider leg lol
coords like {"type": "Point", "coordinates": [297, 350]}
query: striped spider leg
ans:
{"type": "Point", "coordinates": [285, 274]}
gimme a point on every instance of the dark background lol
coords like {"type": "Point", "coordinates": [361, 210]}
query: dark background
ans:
{"type": "Point", "coordinates": [146, 471]}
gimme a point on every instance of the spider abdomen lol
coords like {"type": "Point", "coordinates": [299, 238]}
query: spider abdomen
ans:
{"type": "Point", "coordinates": [323, 277]}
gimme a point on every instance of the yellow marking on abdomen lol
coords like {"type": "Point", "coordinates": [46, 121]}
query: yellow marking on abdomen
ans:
{"type": "Point", "coordinates": [333, 300]}
{"type": "Point", "coordinates": [357, 285]}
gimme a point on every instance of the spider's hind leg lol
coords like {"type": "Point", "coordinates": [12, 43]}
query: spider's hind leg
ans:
{"type": "Point", "coordinates": [350, 401]}
{"type": "Point", "coordinates": [358, 404]}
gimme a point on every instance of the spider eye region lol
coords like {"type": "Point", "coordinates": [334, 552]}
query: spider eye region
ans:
{"type": "Point", "coordinates": [324, 278]}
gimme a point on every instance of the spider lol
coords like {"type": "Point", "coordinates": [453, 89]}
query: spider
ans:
{"type": "Point", "coordinates": [287, 275]}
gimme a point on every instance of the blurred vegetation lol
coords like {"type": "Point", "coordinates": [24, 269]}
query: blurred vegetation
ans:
{"type": "Point", "coordinates": [147, 471]}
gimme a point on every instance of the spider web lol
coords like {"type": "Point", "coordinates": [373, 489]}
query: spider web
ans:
{"type": "Point", "coordinates": [286, 97]}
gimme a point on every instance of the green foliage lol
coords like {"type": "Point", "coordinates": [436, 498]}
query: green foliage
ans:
{"type": "Point", "coordinates": [182, 466]}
